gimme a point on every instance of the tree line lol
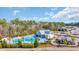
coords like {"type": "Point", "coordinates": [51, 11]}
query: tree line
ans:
{"type": "Point", "coordinates": [19, 27]}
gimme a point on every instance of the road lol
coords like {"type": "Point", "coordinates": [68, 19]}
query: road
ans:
{"type": "Point", "coordinates": [41, 49]}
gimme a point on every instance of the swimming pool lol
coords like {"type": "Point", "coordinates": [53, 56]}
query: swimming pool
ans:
{"type": "Point", "coordinates": [27, 39]}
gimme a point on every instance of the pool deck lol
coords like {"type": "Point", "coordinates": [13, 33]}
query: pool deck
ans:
{"type": "Point", "coordinates": [42, 49]}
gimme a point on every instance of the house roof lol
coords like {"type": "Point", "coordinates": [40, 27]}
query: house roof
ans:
{"type": "Point", "coordinates": [43, 31]}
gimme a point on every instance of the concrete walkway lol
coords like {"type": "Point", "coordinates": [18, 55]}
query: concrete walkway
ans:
{"type": "Point", "coordinates": [42, 49]}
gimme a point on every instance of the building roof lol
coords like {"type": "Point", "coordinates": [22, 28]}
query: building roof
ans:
{"type": "Point", "coordinates": [43, 32]}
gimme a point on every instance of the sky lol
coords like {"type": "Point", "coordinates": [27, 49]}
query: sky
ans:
{"type": "Point", "coordinates": [45, 14]}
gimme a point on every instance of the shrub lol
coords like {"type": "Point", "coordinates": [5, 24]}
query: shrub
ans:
{"type": "Point", "coordinates": [36, 43]}
{"type": "Point", "coordinates": [73, 38]}
{"type": "Point", "coordinates": [65, 42]}
{"type": "Point", "coordinates": [19, 43]}
{"type": "Point", "coordinates": [0, 46]}
{"type": "Point", "coordinates": [26, 32]}
{"type": "Point", "coordinates": [45, 42]}
{"type": "Point", "coordinates": [27, 45]}
{"type": "Point", "coordinates": [8, 45]}
{"type": "Point", "coordinates": [4, 44]}
{"type": "Point", "coordinates": [0, 37]}
{"type": "Point", "coordinates": [14, 45]}
{"type": "Point", "coordinates": [11, 45]}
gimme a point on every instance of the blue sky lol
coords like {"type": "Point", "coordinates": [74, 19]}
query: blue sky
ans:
{"type": "Point", "coordinates": [53, 14]}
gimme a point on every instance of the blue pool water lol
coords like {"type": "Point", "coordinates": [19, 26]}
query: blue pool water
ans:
{"type": "Point", "coordinates": [28, 39]}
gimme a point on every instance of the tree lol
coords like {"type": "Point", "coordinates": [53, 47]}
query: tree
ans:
{"type": "Point", "coordinates": [55, 26]}
{"type": "Point", "coordinates": [0, 46]}
{"type": "Point", "coordinates": [65, 41]}
{"type": "Point", "coordinates": [73, 38]}
{"type": "Point", "coordinates": [15, 21]}
{"type": "Point", "coordinates": [19, 43]}
{"type": "Point", "coordinates": [3, 22]}
{"type": "Point", "coordinates": [36, 43]}
{"type": "Point", "coordinates": [0, 36]}
{"type": "Point", "coordinates": [0, 40]}
{"type": "Point", "coordinates": [4, 44]}
{"type": "Point", "coordinates": [62, 24]}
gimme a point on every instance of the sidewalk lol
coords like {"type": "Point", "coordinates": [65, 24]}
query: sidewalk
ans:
{"type": "Point", "coordinates": [42, 49]}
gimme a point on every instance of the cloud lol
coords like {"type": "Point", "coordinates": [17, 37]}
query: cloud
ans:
{"type": "Point", "coordinates": [29, 18]}
{"type": "Point", "coordinates": [36, 18]}
{"type": "Point", "coordinates": [67, 15]}
{"type": "Point", "coordinates": [49, 14]}
{"type": "Point", "coordinates": [44, 19]}
{"type": "Point", "coordinates": [15, 12]}
{"type": "Point", "coordinates": [54, 9]}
